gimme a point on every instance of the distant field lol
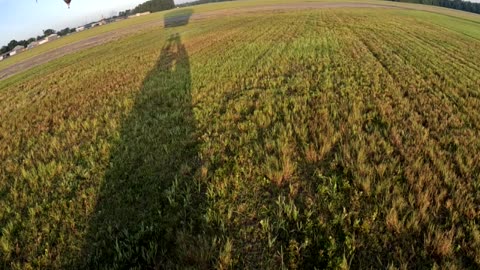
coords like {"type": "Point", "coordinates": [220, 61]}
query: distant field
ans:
{"type": "Point", "coordinates": [209, 8]}
{"type": "Point", "coordinates": [329, 138]}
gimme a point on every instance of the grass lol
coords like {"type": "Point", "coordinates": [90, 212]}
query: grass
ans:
{"type": "Point", "coordinates": [335, 138]}
{"type": "Point", "coordinates": [75, 37]}
{"type": "Point", "coordinates": [151, 18]}
{"type": "Point", "coordinates": [212, 7]}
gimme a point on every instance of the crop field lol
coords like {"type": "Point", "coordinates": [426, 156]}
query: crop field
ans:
{"type": "Point", "coordinates": [324, 138]}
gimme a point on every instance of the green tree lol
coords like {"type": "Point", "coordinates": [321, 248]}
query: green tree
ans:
{"type": "Point", "coordinates": [48, 32]}
{"type": "Point", "coordinates": [64, 32]}
{"type": "Point", "coordinates": [454, 4]}
{"type": "Point", "coordinates": [154, 5]}
{"type": "Point", "coordinates": [12, 44]}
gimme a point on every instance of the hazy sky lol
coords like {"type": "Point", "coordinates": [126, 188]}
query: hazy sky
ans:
{"type": "Point", "coordinates": [22, 19]}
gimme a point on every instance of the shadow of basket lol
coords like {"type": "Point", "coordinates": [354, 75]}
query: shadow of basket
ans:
{"type": "Point", "coordinates": [177, 18]}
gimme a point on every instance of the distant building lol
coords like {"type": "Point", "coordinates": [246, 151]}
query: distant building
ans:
{"type": "Point", "coordinates": [4, 56]}
{"type": "Point", "coordinates": [1, 57]}
{"type": "Point", "coordinates": [139, 14]}
{"type": "Point", "coordinates": [52, 37]}
{"type": "Point", "coordinates": [80, 29]}
{"type": "Point", "coordinates": [43, 41]}
{"type": "Point", "coordinates": [99, 23]}
{"type": "Point", "coordinates": [16, 50]}
{"type": "Point", "coordinates": [32, 45]}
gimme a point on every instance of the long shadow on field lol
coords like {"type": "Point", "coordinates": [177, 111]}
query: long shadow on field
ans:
{"type": "Point", "coordinates": [177, 18]}
{"type": "Point", "coordinates": [150, 205]}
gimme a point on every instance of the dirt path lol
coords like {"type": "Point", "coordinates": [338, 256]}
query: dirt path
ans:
{"type": "Point", "coordinates": [114, 35]}
{"type": "Point", "coordinates": [73, 47]}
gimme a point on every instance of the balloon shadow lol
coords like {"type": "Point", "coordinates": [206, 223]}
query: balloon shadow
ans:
{"type": "Point", "coordinates": [177, 18]}
{"type": "Point", "coordinates": [149, 210]}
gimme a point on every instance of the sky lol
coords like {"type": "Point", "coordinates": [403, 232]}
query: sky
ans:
{"type": "Point", "coordinates": [23, 19]}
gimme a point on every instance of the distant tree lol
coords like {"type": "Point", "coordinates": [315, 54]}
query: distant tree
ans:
{"type": "Point", "coordinates": [23, 43]}
{"type": "Point", "coordinates": [4, 49]}
{"type": "Point", "coordinates": [30, 40]}
{"type": "Point", "coordinates": [199, 2]}
{"type": "Point", "coordinates": [12, 44]}
{"type": "Point", "coordinates": [125, 13]}
{"type": "Point", "coordinates": [454, 4]}
{"type": "Point", "coordinates": [154, 5]}
{"type": "Point", "coordinates": [48, 32]}
{"type": "Point", "coordinates": [64, 32]}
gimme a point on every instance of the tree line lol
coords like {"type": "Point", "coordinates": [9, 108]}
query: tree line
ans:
{"type": "Point", "coordinates": [154, 6]}
{"type": "Point", "coordinates": [148, 6]}
{"type": "Point", "coordinates": [199, 2]}
{"type": "Point", "coordinates": [454, 4]}
{"type": "Point", "coordinates": [159, 5]}
{"type": "Point", "coordinates": [14, 43]}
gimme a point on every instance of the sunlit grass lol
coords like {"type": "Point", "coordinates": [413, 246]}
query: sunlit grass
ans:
{"type": "Point", "coordinates": [474, 18]}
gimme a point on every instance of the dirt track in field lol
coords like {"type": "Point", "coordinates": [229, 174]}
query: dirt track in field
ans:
{"type": "Point", "coordinates": [114, 35]}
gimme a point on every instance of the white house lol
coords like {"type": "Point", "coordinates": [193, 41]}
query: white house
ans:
{"type": "Point", "coordinates": [17, 49]}
{"type": "Point", "coordinates": [79, 29]}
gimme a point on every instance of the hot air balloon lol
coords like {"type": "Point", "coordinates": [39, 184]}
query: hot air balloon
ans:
{"type": "Point", "coordinates": [66, 1]}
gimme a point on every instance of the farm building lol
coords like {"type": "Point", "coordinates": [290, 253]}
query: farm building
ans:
{"type": "Point", "coordinates": [17, 49]}
{"type": "Point", "coordinates": [4, 56]}
{"type": "Point", "coordinates": [32, 45]}
{"type": "Point", "coordinates": [80, 29]}
{"type": "Point", "coordinates": [139, 14]}
{"type": "Point", "coordinates": [52, 37]}
{"type": "Point", "coordinates": [99, 23]}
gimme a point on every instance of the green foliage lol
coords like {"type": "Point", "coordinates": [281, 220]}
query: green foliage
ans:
{"type": "Point", "coordinates": [335, 138]}
{"type": "Point", "coordinates": [199, 2]}
{"type": "Point", "coordinates": [454, 4]}
{"type": "Point", "coordinates": [66, 31]}
{"type": "Point", "coordinates": [154, 6]}
{"type": "Point", "coordinates": [48, 32]}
